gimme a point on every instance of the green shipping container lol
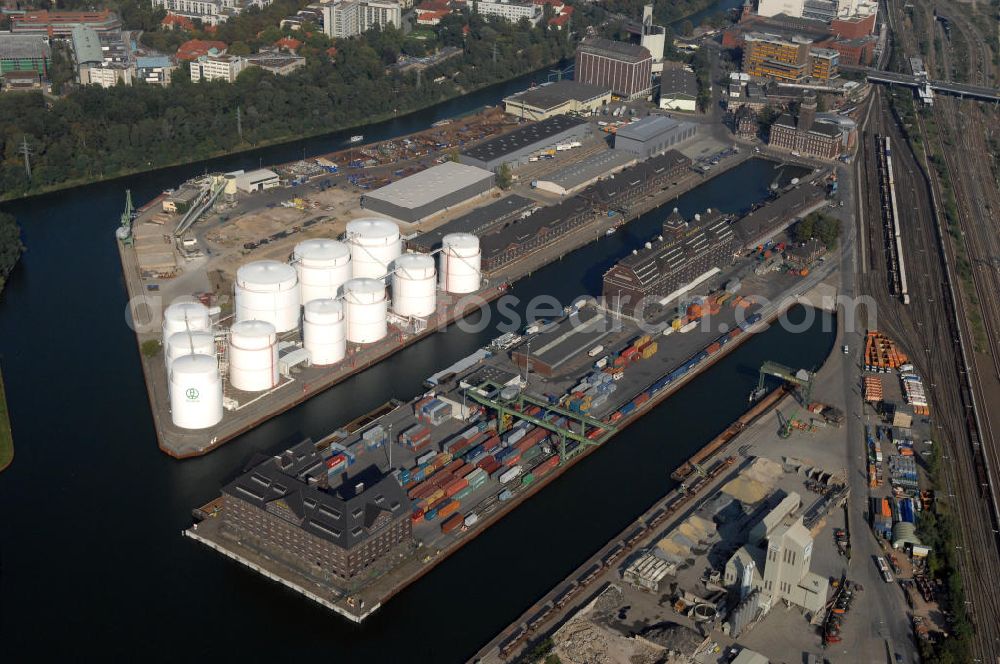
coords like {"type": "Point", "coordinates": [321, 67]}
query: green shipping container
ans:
{"type": "Point", "coordinates": [527, 479]}
{"type": "Point", "coordinates": [463, 494]}
{"type": "Point", "coordinates": [531, 453]}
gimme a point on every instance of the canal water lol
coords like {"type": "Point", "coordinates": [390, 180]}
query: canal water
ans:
{"type": "Point", "coordinates": [92, 562]}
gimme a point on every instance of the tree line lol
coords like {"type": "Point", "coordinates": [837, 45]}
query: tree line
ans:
{"type": "Point", "coordinates": [93, 133]}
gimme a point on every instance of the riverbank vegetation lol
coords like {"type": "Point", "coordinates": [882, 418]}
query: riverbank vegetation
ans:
{"type": "Point", "coordinates": [6, 437]}
{"type": "Point", "coordinates": [93, 133]}
{"type": "Point", "coordinates": [10, 246]}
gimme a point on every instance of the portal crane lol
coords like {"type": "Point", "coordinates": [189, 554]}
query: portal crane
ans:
{"type": "Point", "coordinates": [801, 379]}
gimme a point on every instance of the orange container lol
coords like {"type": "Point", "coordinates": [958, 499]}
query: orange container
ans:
{"type": "Point", "coordinates": [448, 508]}
{"type": "Point", "coordinates": [451, 523]}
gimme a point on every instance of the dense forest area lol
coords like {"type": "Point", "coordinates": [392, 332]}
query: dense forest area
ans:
{"type": "Point", "coordinates": [93, 133]}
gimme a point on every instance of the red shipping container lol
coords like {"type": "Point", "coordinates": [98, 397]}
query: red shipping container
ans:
{"type": "Point", "coordinates": [336, 459]}
{"type": "Point", "coordinates": [485, 461]}
{"type": "Point", "coordinates": [423, 446]}
{"type": "Point", "coordinates": [453, 465]}
{"type": "Point", "coordinates": [511, 460]}
{"type": "Point", "coordinates": [451, 523]}
{"type": "Point", "coordinates": [615, 416]}
{"type": "Point", "coordinates": [493, 468]}
{"type": "Point", "coordinates": [465, 470]}
{"type": "Point", "coordinates": [642, 398]}
{"type": "Point", "coordinates": [417, 516]}
{"type": "Point", "coordinates": [455, 487]}
{"type": "Point", "coordinates": [491, 444]}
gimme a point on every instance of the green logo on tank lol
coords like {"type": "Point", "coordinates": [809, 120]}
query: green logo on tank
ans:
{"type": "Point", "coordinates": [191, 394]}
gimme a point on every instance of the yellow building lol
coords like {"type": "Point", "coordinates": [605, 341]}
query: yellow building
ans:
{"type": "Point", "coordinates": [772, 56]}
{"type": "Point", "coordinates": [824, 63]}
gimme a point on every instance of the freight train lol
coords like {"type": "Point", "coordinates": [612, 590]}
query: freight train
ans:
{"type": "Point", "coordinates": [902, 286]}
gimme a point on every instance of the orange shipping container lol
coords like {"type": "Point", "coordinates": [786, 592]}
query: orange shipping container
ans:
{"type": "Point", "coordinates": [886, 508]}
{"type": "Point", "coordinates": [455, 487]}
{"type": "Point", "coordinates": [448, 508]}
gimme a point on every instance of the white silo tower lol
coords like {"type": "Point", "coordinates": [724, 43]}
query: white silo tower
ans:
{"type": "Point", "coordinates": [268, 291]}
{"type": "Point", "coordinates": [375, 244]}
{"type": "Point", "coordinates": [230, 187]}
{"type": "Point", "coordinates": [461, 263]}
{"type": "Point", "coordinates": [182, 316]}
{"type": "Point", "coordinates": [324, 331]}
{"type": "Point", "coordinates": [197, 342]}
{"type": "Point", "coordinates": [195, 392]}
{"type": "Point", "coordinates": [366, 310]}
{"type": "Point", "coordinates": [253, 356]}
{"type": "Point", "coordinates": [414, 285]}
{"type": "Point", "coordinates": [323, 267]}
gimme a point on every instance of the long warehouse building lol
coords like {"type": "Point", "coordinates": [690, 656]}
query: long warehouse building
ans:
{"type": "Point", "coordinates": [548, 224]}
{"type": "Point", "coordinates": [480, 221]}
{"type": "Point", "coordinates": [428, 192]}
{"type": "Point", "coordinates": [515, 148]}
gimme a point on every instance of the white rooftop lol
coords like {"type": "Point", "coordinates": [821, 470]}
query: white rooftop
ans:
{"type": "Point", "coordinates": [426, 186]}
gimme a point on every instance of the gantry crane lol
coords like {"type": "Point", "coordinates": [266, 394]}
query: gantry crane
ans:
{"type": "Point", "coordinates": [801, 379]}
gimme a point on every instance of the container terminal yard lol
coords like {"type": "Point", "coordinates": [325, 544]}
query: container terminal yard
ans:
{"type": "Point", "coordinates": [268, 240]}
{"type": "Point", "coordinates": [377, 506]}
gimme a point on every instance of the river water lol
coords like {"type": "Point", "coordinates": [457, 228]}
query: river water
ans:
{"type": "Point", "coordinates": [92, 562]}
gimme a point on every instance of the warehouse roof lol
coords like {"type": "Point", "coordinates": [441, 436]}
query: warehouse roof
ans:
{"type": "Point", "coordinates": [555, 94]}
{"type": "Point", "coordinates": [606, 191]}
{"type": "Point", "coordinates": [521, 138]}
{"type": "Point", "coordinates": [427, 186]}
{"type": "Point", "coordinates": [23, 46]}
{"type": "Point", "coordinates": [648, 128]}
{"type": "Point", "coordinates": [526, 229]}
{"type": "Point", "coordinates": [86, 45]}
{"type": "Point", "coordinates": [342, 516]}
{"type": "Point", "coordinates": [615, 49]}
{"type": "Point", "coordinates": [477, 221]}
{"type": "Point", "coordinates": [678, 82]}
{"type": "Point", "coordinates": [570, 337]}
{"type": "Point", "coordinates": [778, 214]}
{"type": "Point", "coordinates": [592, 167]}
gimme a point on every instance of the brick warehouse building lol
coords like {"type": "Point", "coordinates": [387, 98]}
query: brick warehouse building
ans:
{"type": "Point", "coordinates": [626, 69]}
{"type": "Point", "coordinates": [687, 251]}
{"type": "Point", "coordinates": [807, 136]}
{"type": "Point", "coordinates": [283, 508]}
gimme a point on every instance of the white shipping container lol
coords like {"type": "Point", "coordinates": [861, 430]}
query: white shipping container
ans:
{"type": "Point", "coordinates": [601, 363]}
{"type": "Point", "coordinates": [472, 519]}
{"type": "Point", "coordinates": [514, 436]}
{"type": "Point", "coordinates": [510, 474]}
{"type": "Point", "coordinates": [595, 351]}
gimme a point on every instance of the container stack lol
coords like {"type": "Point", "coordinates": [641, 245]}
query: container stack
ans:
{"type": "Point", "coordinates": [873, 389]}
{"type": "Point", "coordinates": [914, 394]}
{"type": "Point", "coordinates": [881, 516]}
{"type": "Point", "coordinates": [432, 412]}
{"type": "Point", "coordinates": [374, 437]}
{"type": "Point", "coordinates": [881, 353]}
{"type": "Point", "coordinates": [903, 472]}
{"type": "Point", "coordinates": [416, 438]}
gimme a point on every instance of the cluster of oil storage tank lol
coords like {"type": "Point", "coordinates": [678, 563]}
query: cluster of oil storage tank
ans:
{"type": "Point", "coordinates": [335, 289]}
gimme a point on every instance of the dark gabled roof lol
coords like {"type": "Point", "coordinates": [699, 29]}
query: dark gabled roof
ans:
{"type": "Point", "coordinates": [520, 138]}
{"type": "Point", "coordinates": [544, 220]}
{"type": "Point", "coordinates": [478, 221]}
{"type": "Point", "coordinates": [339, 515]}
{"type": "Point", "coordinates": [677, 81]}
{"type": "Point", "coordinates": [614, 49]}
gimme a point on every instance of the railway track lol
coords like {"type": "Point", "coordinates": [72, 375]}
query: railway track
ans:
{"type": "Point", "coordinates": [933, 341]}
{"type": "Point", "coordinates": [973, 379]}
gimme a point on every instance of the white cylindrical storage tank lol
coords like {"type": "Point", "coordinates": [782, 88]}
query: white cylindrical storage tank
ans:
{"type": "Point", "coordinates": [375, 244]}
{"type": "Point", "coordinates": [268, 291]}
{"type": "Point", "coordinates": [324, 331]}
{"type": "Point", "coordinates": [461, 263]}
{"type": "Point", "coordinates": [323, 267]}
{"type": "Point", "coordinates": [198, 342]}
{"type": "Point", "coordinates": [182, 316]}
{"type": "Point", "coordinates": [253, 356]}
{"type": "Point", "coordinates": [195, 392]}
{"type": "Point", "coordinates": [366, 310]}
{"type": "Point", "coordinates": [414, 285]}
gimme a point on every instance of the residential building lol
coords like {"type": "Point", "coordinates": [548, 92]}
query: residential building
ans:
{"type": "Point", "coordinates": [512, 11]}
{"type": "Point", "coordinates": [347, 18]}
{"type": "Point", "coordinates": [807, 136]}
{"type": "Point", "coordinates": [195, 48]}
{"type": "Point", "coordinates": [61, 24]}
{"type": "Point", "coordinates": [209, 12]}
{"type": "Point", "coordinates": [106, 75]}
{"type": "Point", "coordinates": [154, 70]}
{"type": "Point", "coordinates": [626, 69]}
{"type": "Point", "coordinates": [21, 53]}
{"type": "Point", "coordinates": [286, 509]}
{"type": "Point", "coordinates": [678, 90]}
{"type": "Point", "coordinates": [217, 68]}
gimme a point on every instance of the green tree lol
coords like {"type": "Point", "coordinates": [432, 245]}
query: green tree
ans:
{"type": "Point", "coordinates": [10, 246]}
{"type": "Point", "coordinates": [504, 177]}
